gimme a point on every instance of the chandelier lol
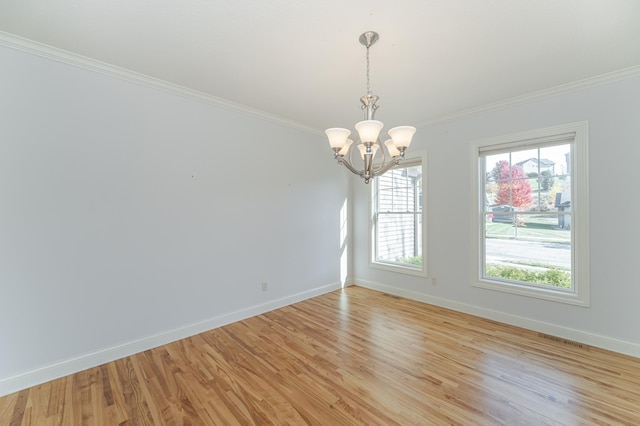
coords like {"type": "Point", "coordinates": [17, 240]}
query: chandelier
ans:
{"type": "Point", "coordinates": [369, 134]}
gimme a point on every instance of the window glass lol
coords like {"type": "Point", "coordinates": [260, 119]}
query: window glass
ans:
{"type": "Point", "coordinates": [397, 218]}
{"type": "Point", "coordinates": [532, 225]}
{"type": "Point", "coordinates": [527, 216]}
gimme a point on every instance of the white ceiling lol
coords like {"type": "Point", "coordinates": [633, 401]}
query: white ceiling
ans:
{"type": "Point", "coordinates": [301, 60]}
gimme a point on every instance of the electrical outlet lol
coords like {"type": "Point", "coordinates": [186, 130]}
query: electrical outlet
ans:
{"type": "Point", "coordinates": [434, 281]}
{"type": "Point", "coordinates": [265, 286]}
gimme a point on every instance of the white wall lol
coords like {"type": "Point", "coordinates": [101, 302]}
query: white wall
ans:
{"type": "Point", "coordinates": [131, 216]}
{"type": "Point", "coordinates": [613, 320]}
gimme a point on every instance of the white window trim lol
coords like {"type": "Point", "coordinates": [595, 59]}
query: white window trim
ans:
{"type": "Point", "coordinates": [580, 220]}
{"type": "Point", "coordinates": [421, 157]}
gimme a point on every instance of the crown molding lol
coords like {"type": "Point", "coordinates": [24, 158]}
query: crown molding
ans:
{"type": "Point", "coordinates": [611, 77]}
{"type": "Point", "coordinates": [45, 51]}
{"type": "Point", "coordinates": [59, 55]}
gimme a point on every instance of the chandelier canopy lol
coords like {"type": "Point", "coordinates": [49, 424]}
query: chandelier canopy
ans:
{"type": "Point", "coordinates": [369, 134]}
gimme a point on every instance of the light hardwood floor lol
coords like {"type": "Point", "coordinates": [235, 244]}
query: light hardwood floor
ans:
{"type": "Point", "coordinates": [349, 357]}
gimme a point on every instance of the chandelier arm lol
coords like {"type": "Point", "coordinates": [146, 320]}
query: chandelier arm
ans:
{"type": "Point", "coordinates": [386, 168]}
{"type": "Point", "coordinates": [377, 171]}
{"type": "Point", "coordinates": [348, 165]}
{"type": "Point", "coordinates": [351, 156]}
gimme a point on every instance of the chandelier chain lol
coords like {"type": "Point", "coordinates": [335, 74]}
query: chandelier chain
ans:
{"type": "Point", "coordinates": [368, 87]}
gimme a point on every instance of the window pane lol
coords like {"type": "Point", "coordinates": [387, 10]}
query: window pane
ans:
{"type": "Point", "coordinates": [399, 239]}
{"type": "Point", "coordinates": [399, 190]}
{"type": "Point", "coordinates": [527, 160]}
{"type": "Point", "coordinates": [492, 165]}
{"type": "Point", "coordinates": [398, 217]}
{"type": "Point", "coordinates": [556, 160]}
{"type": "Point", "coordinates": [532, 248]}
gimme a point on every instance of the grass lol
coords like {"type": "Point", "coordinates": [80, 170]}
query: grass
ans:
{"type": "Point", "coordinates": [536, 227]}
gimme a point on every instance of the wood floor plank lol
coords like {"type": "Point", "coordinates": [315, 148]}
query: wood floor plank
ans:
{"type": "Point", "coordinates": [350, 357]}
{"type": "Point", "coordinates": [19, 406]}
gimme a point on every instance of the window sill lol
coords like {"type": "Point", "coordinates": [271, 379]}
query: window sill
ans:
{"type": "Point", "coordinates": [392, 267]}
{"type": "Point", "coordinates": [550, 294]}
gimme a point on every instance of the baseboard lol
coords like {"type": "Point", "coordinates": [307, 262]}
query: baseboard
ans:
{"type": "Point", "coordinates": [50, 372]}
{"type": "Point", "coordinates": [591, 339]}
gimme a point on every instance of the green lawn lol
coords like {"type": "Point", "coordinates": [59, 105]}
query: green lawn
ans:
{"type": "Point", "coordinates": [534, 227]}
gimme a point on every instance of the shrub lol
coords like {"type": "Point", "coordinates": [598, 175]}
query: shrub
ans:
{"type": "Point", "coordinates": [552, 276]}
{"type": "Point", "coordinates": [411, 260]}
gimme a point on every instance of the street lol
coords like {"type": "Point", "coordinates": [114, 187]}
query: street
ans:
{"type": "Point", "coordinates": [536, 252]}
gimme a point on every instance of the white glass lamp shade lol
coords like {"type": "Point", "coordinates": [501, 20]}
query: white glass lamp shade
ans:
{"type": "Point", "coordinates": [363, 150]}
{"type": "Point", "coordinates": [337, 136]}
{"type": "Point", "coordinates": [368, 130]}
{"type": "Point", "coordinates": [391, 147]}
{"type": "Point", "coordinates": [343, 151]}
{"type": "Point", "coordinates": [402, 136]}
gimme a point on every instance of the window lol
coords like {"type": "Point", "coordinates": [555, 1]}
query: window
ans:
{"type": "Point", "coordinates": [532, 231]}
{"type": "Point", "coordinates": [398, 223]}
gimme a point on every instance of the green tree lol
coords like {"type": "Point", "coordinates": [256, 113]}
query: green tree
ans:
{"type": "Point", "coordinates": [546, 180]}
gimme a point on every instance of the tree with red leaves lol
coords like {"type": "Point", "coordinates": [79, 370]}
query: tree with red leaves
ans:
{"type": "Point", "coordinates": [513, 186]}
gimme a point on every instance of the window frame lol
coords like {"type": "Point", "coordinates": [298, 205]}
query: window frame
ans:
{"type": "Point", "coordinates": [418, 158]}
{"type": "Point", "coordinates": [579, 175]}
